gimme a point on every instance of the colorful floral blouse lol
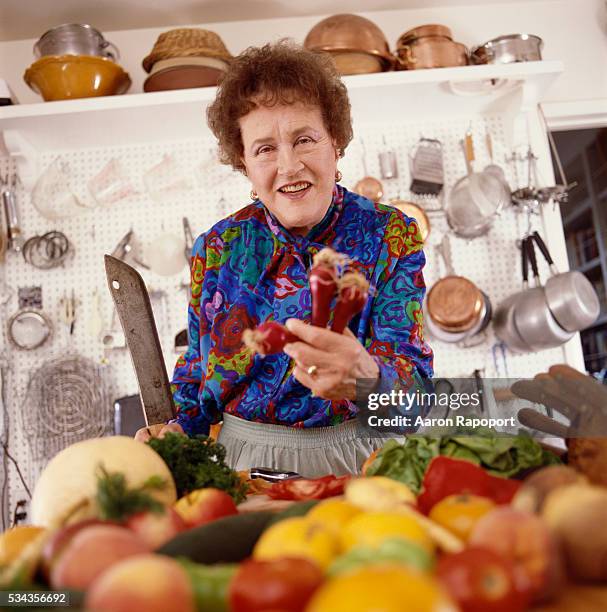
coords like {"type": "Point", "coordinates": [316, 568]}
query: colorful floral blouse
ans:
{"type": "Point", "coordinates": [248, 269]}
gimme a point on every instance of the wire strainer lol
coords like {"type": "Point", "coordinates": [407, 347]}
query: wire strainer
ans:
{"type": "Point", "coordinates": [67, 400]}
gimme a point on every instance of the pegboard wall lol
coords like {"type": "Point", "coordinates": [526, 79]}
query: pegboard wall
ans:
{"type": "Point", "coordinates": [202, 190]}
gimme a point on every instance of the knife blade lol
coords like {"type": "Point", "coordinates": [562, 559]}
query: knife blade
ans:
{"type": "Point", "coordinates": [132, 302]}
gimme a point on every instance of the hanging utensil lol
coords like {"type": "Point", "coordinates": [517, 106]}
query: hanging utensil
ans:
{"type": "Point", "coordinates": [476, 199]}
{"type": "Point", "coordinates": [11, 211]}
{"type": "Point", "coordinates": [29, 328]}
{"type": "Point", "coordinates": [572, 299]}
{"type": "Point", "coordinates": [560, 192]}
{"type": "Point", "coordinates": [426, 167]}
{"type": "Point", "coordinates": [68, 311]}
{"type": "Point", "coordinates": [113, 338]}
{"type": "Point", "coordinates": [527, 198]}
{"type": "Point", "coordinates": [387, 162]}
{"type": "Point", "coordinates": [368, 186]}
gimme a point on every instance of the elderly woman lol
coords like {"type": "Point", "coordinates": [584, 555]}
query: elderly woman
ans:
{"type": "Point", "coordinates": [282, 117]}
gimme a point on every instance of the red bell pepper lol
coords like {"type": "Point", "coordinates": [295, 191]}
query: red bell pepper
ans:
{"type": "Point", "coordinates": [302, 489]}
{"type": "Point", "coordinates": [448, 476]}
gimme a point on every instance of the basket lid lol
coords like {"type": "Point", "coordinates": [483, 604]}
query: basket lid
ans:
{"type": "Point", "coordinates": [186, 42]}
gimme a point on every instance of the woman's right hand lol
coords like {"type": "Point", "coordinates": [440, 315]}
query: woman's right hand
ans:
{"type": "Point", "coordinates": [157, 431]}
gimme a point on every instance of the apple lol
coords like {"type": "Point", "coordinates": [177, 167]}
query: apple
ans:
{"type": "Point", "coordinates": [156, 528]}
{"type": "Point", "coordinates": [60, 539]}
{"type": "Point", "coordinates": [153, 583]}
{"type": "Point", "coordinates": [90, 552]}
{"type": "Point", "coordinates": [205, 505]}
{"type": "Point", "coordinates": [528, 543]}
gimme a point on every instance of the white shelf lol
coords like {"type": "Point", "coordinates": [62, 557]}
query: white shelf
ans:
{"type": "Point", "coordinates": [180, 114]}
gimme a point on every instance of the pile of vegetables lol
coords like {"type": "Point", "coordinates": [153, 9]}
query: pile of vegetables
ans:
{"type": "Point", "coordinates": [501, 455]}
{"type": "Point", "coordinates": [465, 540]}
{"type": "Point", "coordinates": [334, 290]}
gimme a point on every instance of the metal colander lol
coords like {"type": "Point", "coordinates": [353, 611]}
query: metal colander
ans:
{"type": "Point", "coordinates": [67, 400]}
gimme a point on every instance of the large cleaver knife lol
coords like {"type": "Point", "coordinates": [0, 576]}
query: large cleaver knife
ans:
{"type": "Point", "coordinates": [137, 318]}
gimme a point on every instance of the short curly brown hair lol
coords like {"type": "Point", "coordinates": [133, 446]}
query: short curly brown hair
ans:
{"type": "Point", "coordinates": [277, 73]}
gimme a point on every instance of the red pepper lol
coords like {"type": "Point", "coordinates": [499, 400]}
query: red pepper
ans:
{"type": "Point", "coordinates": [268, 338]}
{"type": "Point", "coordinates": [448, 476]}
{"type": "Point", "coordinates": [323, 284]}
{"type": "Point", "coordinates": [353, 294]}
{"type": "Point", "coordinates": [301, 489]}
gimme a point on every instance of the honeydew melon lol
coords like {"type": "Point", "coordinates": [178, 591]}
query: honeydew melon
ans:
{"type": "Point", "coordinates": [66, 488]}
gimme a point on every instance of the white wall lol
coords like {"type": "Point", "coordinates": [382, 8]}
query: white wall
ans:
{"type": "Point", "coordinates": [573, 31]}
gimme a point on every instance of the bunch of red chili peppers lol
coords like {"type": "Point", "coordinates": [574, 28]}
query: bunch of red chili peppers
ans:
{"type": "Point", "coordinates": [349, 291]}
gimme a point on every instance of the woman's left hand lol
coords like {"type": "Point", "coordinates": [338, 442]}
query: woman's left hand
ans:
{"type": "Point", "coordinates": [339, 360]}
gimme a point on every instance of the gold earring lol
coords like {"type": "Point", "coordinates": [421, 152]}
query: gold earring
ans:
{"type": "Point", "coordinates": [338, 176]}
{"type": "Point", "coordinates": [253, 195]}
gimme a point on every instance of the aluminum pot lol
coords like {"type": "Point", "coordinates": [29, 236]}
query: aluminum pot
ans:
{"type": "Point", "coordinates": [532, 316]}
{"type": "Point", "coordinates": [571, 297]}
{"type": "Point", "coordinates": [508, 49]}
{"type": "Point", "coordinates": [75, 39]}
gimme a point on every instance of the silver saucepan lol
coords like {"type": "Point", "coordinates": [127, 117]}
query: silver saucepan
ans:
{"type": "Point", "coordinates": [571, 297]}
{"type": "Point", "coordinates": [532, 317]}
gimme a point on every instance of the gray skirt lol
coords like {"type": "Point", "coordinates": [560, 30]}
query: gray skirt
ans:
{"type": "Point", "coordinates": [316, 451]}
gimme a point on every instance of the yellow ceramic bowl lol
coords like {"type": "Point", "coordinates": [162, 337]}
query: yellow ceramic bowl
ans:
{"type": "Point", "coordinates": [62, 77]}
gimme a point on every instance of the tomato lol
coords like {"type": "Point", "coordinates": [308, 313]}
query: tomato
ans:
{"type": "Point", "coordinates": [480, 580]}
{"type": "Point", "coordinates": [278, 584]}
{"type": "Point", "coordinates": [302, 489]}
{"type": "Point", "coordinates": [460, 513]}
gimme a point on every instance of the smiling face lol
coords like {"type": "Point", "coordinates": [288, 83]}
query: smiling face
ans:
{"type": "Point", "coordinates": [290, 160]}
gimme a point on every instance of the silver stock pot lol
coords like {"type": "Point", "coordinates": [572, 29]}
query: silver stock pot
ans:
{"type": "Point", "coordinates": [508, 49]}
{"type": "Point", "coordinates": [75, 39]}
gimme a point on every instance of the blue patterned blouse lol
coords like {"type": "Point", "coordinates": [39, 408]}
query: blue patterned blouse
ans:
{"type": "Point", "coordinates": [248, 269]}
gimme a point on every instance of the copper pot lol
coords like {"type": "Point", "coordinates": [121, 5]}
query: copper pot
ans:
{"type": "Point", "coordinates": [347, 33]}
{"type": "Point", "coordinates": [429, 46]}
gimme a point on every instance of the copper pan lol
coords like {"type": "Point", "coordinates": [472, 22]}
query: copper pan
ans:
{"type": "Point", "coordinates": [454, 302]}
{"type": "Point", "coordinates": [415, 212]}
{"type": "Point", "coordinates": [369, 187]}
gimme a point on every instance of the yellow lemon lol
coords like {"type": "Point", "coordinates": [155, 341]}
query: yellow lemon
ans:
{"type": "Point", "coordinates": [381, 588]}
{"type": "Point", "coordinates": [370, 529]}
{"type": "Point", "coordinates": [333, 514]}
{"type": "Point", "coordinates": [298, 537]}
{"type": "Point", "coordinates": [14, 540]}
